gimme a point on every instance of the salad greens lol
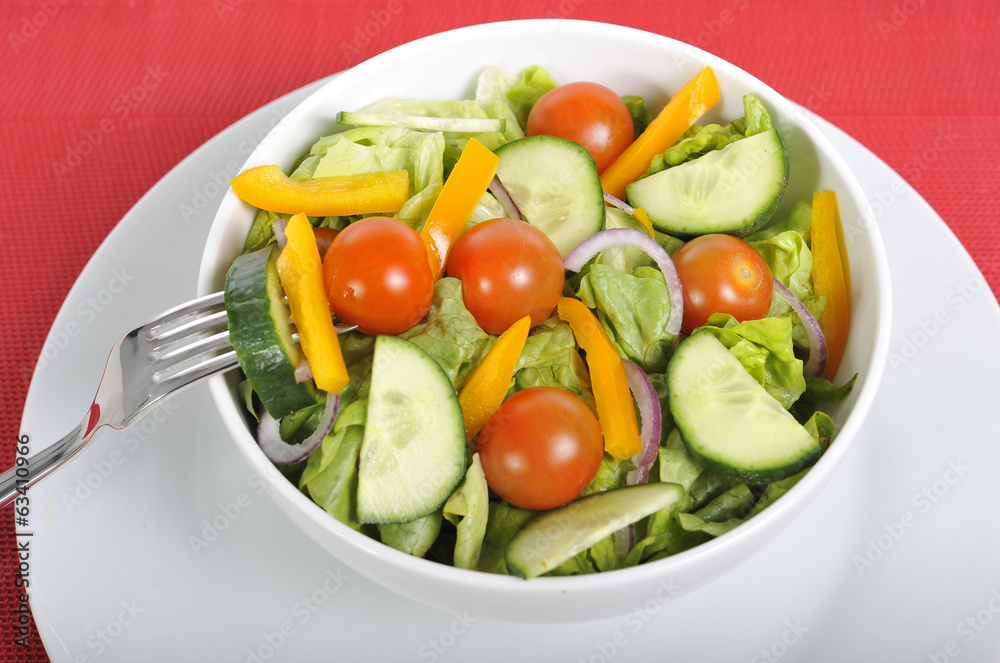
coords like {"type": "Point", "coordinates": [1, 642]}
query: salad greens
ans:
{"type": "Point", "coordinates": [630, 298]}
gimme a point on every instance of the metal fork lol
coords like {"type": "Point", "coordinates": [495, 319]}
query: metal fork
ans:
{"type": "Point", "coordinates": [182, 346]}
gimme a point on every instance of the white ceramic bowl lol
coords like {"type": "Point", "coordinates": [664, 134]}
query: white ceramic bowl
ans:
{"type": "Point", "coordinates": [445, 66]}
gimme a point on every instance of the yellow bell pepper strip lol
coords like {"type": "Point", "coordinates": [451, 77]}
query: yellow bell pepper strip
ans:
{"type": "Point", "coordinates": [268, 188]}
{"type": "Point", "coordinates": [642, 218]}
{"type": "Point", "coordinates": [830, 277]}
{"type": "Point", "coordinates": [463, 190]}
{"type": "Point", "coordinates": [485, 389]}
{"type": "Point", "coordinates": [696, 97]}
{"type": "Point", "coordinates": [615, 408]}
{"type": "Point", "coordinates": [301, 274]}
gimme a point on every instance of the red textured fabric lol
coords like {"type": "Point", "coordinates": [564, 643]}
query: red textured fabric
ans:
{"type": "Point", "coordinates": [914, 81]}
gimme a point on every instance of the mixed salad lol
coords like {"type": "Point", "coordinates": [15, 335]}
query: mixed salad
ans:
{"type": "Point", "coordinates": [541, 331]}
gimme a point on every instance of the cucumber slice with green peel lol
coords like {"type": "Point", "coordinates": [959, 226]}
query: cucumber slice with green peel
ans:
{"type": "Point", "coordinates": [728, 421]}
{"type": "Point", "coordinates": [423, 122]}
{"type": "Point", "coordinates": [413, 454]}
{"type": "Point", "coordinates": [555, 184]}
{"type": "Point", "coordinates": [555, 536]}
{"type": "Point", "coordinates": [260, 331]}
{"type": "Point", "coordinates": [734, 190]}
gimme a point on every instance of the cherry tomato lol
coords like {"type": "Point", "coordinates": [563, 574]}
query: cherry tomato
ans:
{"type": "Point", "coordinates": [587, 113]}
{"type": "Point", "coordinates": [378, 277]}
{"type": "Point", "coordinates": [722, 274]}
{"type": "Point", "coordinates": [541, 448]}
{"type": "Point", "coordinates": [509, 269]}
{"type": "Point", "coordinates": [324, 238]}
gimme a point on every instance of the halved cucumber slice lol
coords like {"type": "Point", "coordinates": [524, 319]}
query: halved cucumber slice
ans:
{"type": "Point", "coordinates": [734, 190]}
{"type": "Point", "coordinates": [728, 420]}
{"type": "Point", "coordinates": [450, 124]}
{"type": "Point", "coordinates": [260, 331]}
{"type": "Point", "coordinates": [555, 184]}
{"type": "Point", "coordinates": [557, 535]}
{"type": "Point", "coordinates": [413, 452]}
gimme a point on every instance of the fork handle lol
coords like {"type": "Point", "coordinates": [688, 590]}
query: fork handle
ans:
{"type": "Point", "coordinates": [41, 464]}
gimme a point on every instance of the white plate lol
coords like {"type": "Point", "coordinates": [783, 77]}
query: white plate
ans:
{"type": "Point", "coordinates": [148, 547]}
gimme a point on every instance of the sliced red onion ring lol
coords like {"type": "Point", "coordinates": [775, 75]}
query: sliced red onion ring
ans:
{"type": "Point", "coordinates": [618, 202]}
{"type": "Point", "coordinates": [652, 420]}
{"type": "Point", "coordinates": [649, 442]}
{"type": "Point", "coordinates": [280, 452]}
{"type": "Point", "coordinates": [503, 197]}
{"type": "Point", "coordinates": [817, 342]}
{"type": "Point", "coordinates": [606, 239]}
{"type": "Point", "coordinates": [279, 232]}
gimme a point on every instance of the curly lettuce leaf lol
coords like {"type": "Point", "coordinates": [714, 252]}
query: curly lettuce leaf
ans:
{"type": "Point", "coordinates": [641, 114]}
{"type": "Point", "coordinates": [449, 333]}
{"type": "Point", "coordinates": [511, 96]}
{"type": "Point", "coordinates": [330, 477]}
{"type": "Point", "coordinates": [634, 309]}
{"type": "Point", "coordinates": [468, 509]}
{"type": "Point", "coordinates": [790, 260]}
{"type": "Point", "coordinates": [366, 150]}
{"type": "Point", "coordinates": [415, 537]}
{"type": "Point", "coordinates": [503, 523]}
{"type": "Point", "coordinates": [550, 358]}
{"type": "Point", "coordinates": [799, 220]}
{"type": "Point", "coordinates": [611, 474]}
{"type": "Point", "coordinates": [700, 140]}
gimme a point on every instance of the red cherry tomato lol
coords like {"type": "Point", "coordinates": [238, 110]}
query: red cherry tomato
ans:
{"type": "Point", "coordinates": [377, 276]}
{"type": "Point", "coordinates": [587, 113]}
{"type": "Point", "coordinates": [722, 274]}
{"type": "Point", "coordinates": [541, 448]}
{"type": "Point", "coordinates": [509, 269]}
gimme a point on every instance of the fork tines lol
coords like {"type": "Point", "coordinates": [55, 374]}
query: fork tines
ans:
{"type": "Point", "coordinates": [186, 341]}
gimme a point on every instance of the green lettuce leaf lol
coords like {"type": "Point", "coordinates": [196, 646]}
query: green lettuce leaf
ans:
{"type": "Point", "coordinates": [775, 490]}
{"type": "Point", "coordinates": [503, 523]}
{"type": "Point", "coordinates": [764, 348]}
{"type": "Point", "coordinates": [450, 334]}
{"type": "Point", "coordinates": [366, 150]}
{"type": "Point", "coordinates": [506, 95]}
{"type": "Point", "coordinates": [821, 427]}
{"type": "Point", "coordinates": [550, 358]}
{"type": "Point", "coordinates": [692, 523]}
{"type": "Point", "coordinates": [683, 532]}
{"type": "Point", "coordinates": [262, 231]}
{"type": "Point", "coordinates": [415, 537]}
{"type": "Point", "coordinates": [330, 477]}
{"type": "Point", "coordinates": [611, 474]}
{"type": "Point", "coordinates": [790, 260]}
{"type": "Point", "coordinates": [634, 308]}
{"type": "Point", "coordinates": [695, 142]}
{"type": "Point", "coordinates": [641, 114]}
{"type": "Point", "coordinates": [352, 416]}
{"type": "Point", "coordinates": [799, 220]}
{"type": "Point", "coordinates": [700, 140]}
{"type": "Point", "coordinates": [246, 392]}
{"type": "Point", "coordinates": [756, 119]}
{"type": "Point", "coordinates": [819, 389]}
{"type": "Point", "coordinates": [676, 464]}
{"type": "Point", "coordinates": [468, 510]}
{"type": "Point", "coordinates": [599, 557]}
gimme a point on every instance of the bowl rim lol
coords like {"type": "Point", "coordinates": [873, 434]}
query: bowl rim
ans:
{"type": "Point", "coordinates": [774, 517]}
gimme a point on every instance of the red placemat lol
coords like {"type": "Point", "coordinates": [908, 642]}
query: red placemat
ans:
{"type": "Point", "coordinates": [102, 99]}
